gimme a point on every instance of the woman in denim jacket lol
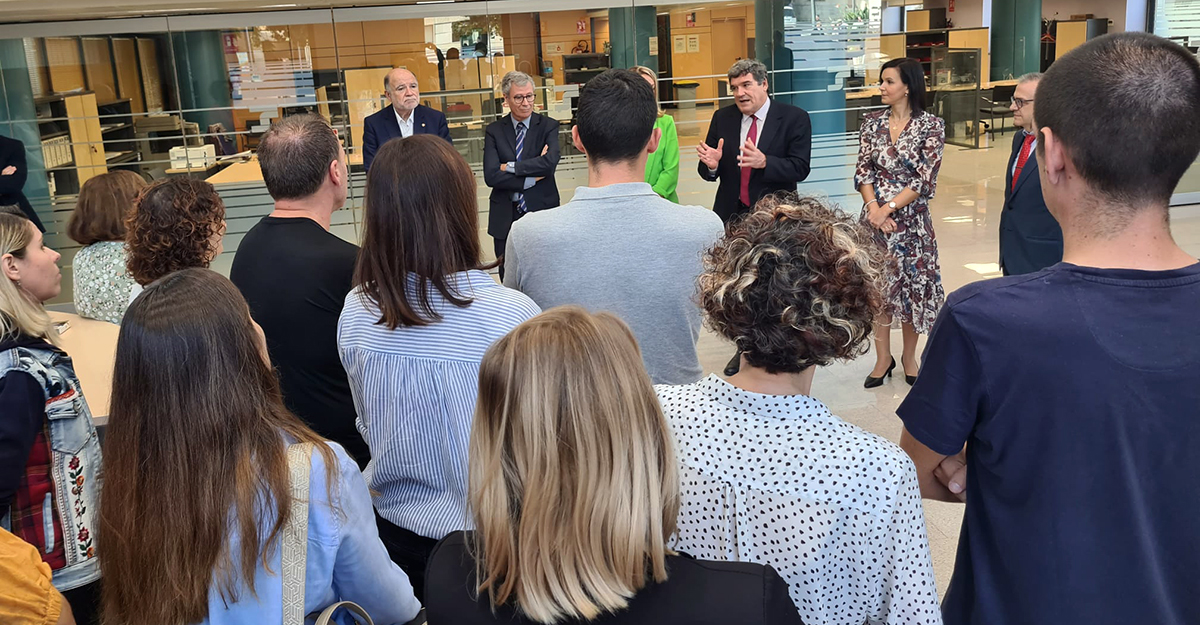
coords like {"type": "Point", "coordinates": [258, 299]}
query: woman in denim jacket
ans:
{"type": "Point", "coordinates": [49, 451]}
{"type": "Point", "coordinates": [196, 487]}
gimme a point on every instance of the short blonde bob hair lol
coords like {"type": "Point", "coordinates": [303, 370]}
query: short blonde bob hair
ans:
{"type": "Point", "coordinates": [646, 72]}
{"type": "Point", "coordinates": [19, 312]}
{"type": "Point", "coordinates": [573, 479]}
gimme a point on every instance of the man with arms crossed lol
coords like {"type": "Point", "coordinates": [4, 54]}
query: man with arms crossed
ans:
{"type": "Point", "coordinates": [1030, 238]}
{"type": "Point", "coordinates": [404, 117]}
{"type": "Point", "coordinates": [520, 154]}
{"type": "Point", "coordinates": [618, 246]}
{"type": "Point", "coordinates": [1076, 389]}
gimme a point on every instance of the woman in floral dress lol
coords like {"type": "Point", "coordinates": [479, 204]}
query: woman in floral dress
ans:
{"type": "Point", "coordinates": [899, 154]}
{"type": "Point", "coordinates": [102, 283]}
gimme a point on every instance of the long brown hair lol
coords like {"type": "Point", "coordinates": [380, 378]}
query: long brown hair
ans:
{"type": "Point", "coordinates": [421, 224]}
{"type": "Point", "coordinates": [195, 442]}
{"type": "Point", "coordinates": [573, 481]}
{"type": "Point", "coordinates": [105, 202]}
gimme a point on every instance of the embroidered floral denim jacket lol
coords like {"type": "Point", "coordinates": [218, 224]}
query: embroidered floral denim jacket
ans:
{"type": "Point", "coordinates": [74, 463]}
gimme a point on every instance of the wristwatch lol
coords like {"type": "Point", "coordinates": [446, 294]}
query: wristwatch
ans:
{"type": "Point", "coordinates": [892, 205]}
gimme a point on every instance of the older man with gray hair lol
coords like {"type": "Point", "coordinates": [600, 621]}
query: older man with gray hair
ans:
{"type": "Point", "coordinates": [1030, 237]}
{"type": "Point", "coordinates": [520, 154]}
{"type": "Point", "coordinates": [404, 117]}
{"type": "Point", "coordinates": [756, 147]}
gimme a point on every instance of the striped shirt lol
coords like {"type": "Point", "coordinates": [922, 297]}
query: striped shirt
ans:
{"type": "Point", "coordinates": [414, 390]}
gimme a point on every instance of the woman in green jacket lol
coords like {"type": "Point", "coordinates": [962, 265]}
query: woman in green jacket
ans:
{"type": "Point", "coordinates": [662, 168]}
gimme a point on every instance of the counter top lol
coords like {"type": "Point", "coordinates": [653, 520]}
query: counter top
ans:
{"type": "Point", "coordinates": [92, 346]}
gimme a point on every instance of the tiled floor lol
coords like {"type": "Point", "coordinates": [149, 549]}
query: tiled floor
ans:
{"type": "Point", "coordinates": [966, 216]}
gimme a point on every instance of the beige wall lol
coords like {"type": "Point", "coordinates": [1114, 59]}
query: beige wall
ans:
{"type": "Point", "coordinates": [703, 63]}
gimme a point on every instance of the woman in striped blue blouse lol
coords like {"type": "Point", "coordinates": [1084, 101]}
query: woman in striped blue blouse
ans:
{"type": "Point", "coordinates": [411, 336]}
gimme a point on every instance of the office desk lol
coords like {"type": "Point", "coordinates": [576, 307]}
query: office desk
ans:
{"type": "Point", "coordinates": [869, 92]}
{"type": "Point", "coordinates": [248, 171]}
{"type": "Point", "coordinates": [92, 346]}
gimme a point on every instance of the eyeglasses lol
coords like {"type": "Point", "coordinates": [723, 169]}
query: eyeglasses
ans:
{"type": "Point", "coordinates": [528, 97]}
{"type": "Point", "coordinates": [1021, 102]}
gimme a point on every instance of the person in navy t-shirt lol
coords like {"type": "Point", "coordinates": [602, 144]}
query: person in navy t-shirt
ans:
{"type": "Point", "coordinates": [1064, 405]}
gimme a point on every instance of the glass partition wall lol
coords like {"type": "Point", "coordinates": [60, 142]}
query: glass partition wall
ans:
{"type": "Point", "coordinates": [192, 95]}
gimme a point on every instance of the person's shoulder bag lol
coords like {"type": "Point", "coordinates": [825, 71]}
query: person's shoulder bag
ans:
{"type": "Point", "coordinates": [295, 550]}
{"type": "Point", "coordinates": [295, 547]}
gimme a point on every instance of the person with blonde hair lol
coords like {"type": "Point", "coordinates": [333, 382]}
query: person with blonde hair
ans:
{"type": "Point", "coordinates": [769, 474]}
{"type": "Point", "coordinates": [662, 166]}
{"type": "Point", "coordinates": [102, 282]}
{"type": "Point", "coordinates": [49, 450]}
{"type": "Point", "coordinates": [574, 492]}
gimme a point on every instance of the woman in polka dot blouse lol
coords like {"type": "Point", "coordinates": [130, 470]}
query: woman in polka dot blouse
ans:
{"type": "Point", "coordinates": [768, 474]}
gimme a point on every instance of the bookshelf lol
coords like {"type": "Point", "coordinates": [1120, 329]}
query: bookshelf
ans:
{"type": "Point", "coordinates": [919, 46]}
{"type": "Point", "coordinates": [82, 139]}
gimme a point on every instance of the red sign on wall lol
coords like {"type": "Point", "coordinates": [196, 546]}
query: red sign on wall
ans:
{"type": "Point", "coordinates": [951, 6]}
{"type": "Point", "coordinates": [581, 26]}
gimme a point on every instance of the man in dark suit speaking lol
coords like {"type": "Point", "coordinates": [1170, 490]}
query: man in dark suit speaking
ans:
{"type": "Point", "coordinates": [404, 117]}
{"type": "Point", "coordinates": [756, 147]}
{"type": "Point", "coordinates": [1030, 237]}
{"type": "Point", "coordinates": [520, 154]}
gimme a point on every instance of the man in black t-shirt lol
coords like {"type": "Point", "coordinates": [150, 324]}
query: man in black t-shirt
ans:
{"type": "Point", "coordinates": [295, 274]}
{"type": "Point", "coordinates": [1064, 405]}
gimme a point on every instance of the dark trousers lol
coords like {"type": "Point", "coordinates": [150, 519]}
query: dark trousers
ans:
{"type": "Point", "coordinates": [85, 603]}
{"type": "Point", "coordinates": [498, 245]}
{"type": "Point", "coordinates": [410, 551]}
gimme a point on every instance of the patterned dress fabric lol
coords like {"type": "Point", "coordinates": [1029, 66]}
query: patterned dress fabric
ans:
{"type": "Point", "coordinates": [102, 284]}
{"type": "Point", "coordinates": [914, 280]}
{"type": "Point", "coordinates": [779, 480]}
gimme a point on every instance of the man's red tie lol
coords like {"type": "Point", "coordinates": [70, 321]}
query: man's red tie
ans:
{"type": "Point", "coordinates": [752, 135]}
{"type": "Point", "coordinates": [1026, 148]}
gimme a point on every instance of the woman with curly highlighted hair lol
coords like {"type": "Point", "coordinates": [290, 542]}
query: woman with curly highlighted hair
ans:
{"type": "Point", "coordinates": [176, 224]}
{"type": "Point", "coordinates": [768, 474]}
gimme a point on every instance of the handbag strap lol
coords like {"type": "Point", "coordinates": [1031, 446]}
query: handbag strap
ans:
{"type": "Point", "coordinates": [360, 614]}
{"type": "Point", "coordinates": [295, 534]}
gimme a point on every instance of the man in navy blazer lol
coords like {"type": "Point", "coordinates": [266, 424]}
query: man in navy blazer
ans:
{"type": "Point", "coordinates": [1030, 237]}
{"type": "Point", "coordinates": [404, 117]}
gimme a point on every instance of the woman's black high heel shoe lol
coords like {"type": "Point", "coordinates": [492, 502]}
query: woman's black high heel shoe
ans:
{"type": "Point", "coordinates": [911, 379]}
{"type": "Point", "coordinates": [873, 382]}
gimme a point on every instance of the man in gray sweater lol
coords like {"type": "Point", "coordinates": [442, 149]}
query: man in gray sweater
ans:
{"type": "Point", "coordinates": [618, 246]}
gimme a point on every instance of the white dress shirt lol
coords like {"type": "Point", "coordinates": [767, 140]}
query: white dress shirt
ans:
{"type": "Point", "coordinates": [761, 115]}
{"type": "Point", "coordinates": [778, 480]}
{"type": "Point", "coordinates": [762, 119]}
{"type": "Point", "coordinates": [406, 127]}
